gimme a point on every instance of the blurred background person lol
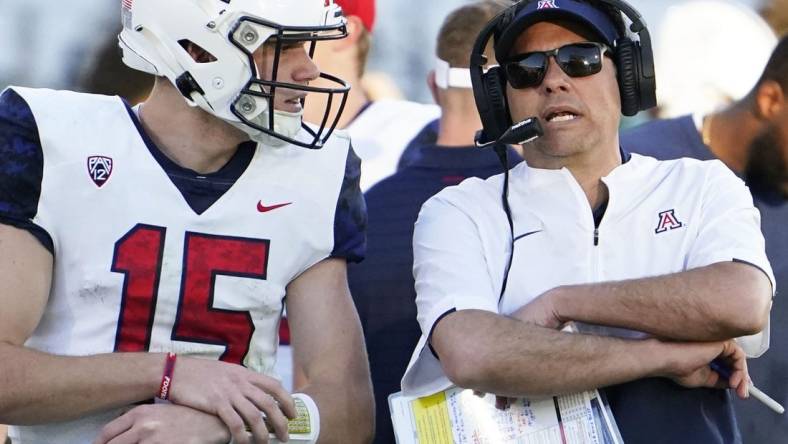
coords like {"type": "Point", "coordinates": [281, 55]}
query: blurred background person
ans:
{"type": "Point", "coordinates": [703, 64]}
{"type": "Point", "coordinates": [348, 59]}
{"type": "Point", "coordinates": [107, 74]}
{"type": "Point", "coordinates": [379, 129]}
{"type": "Point", "coordinates": [45, 43]}
{"type": "Point", "coordinates": [775, 12]}
{"type": "Point", "coordinates": [382, 286]}
{"type": "Point", "coordinates": [751, 137]}
{"type": "Point", "coordinates": [378, 85]}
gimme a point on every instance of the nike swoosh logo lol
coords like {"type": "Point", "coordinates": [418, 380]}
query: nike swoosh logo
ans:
{"type": "Point", "coordinates": [526, 235]}
{"type": "Point", "coordinates": [264, 209]}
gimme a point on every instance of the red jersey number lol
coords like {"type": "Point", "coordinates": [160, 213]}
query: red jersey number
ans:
{"type": "Point", "coordinates": [138, 255]}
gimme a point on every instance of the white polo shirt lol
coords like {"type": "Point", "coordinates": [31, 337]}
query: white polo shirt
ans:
{"type": "Point", "coordinates": [661, 218]}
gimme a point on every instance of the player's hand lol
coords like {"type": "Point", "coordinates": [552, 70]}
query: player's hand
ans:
{"type": "Point", "coordinates": [689, 365]}
{"type": "Point", "coordinates": [236, 395]}
{"type": "Point", "coordinates": [164, 423]}
{"type": "Point", "coordinates": [541, 311]}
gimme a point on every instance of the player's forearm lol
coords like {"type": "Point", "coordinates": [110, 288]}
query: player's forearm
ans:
{"type": "Point", "coordinates": [346, 405]}
{"type": "Point", "coordinates": [328, 347]}
{"type": "Point", "coordinates": [496, 354]}
{"type": "Point", "coordinates": [38, 388]}
{"type": "Point", "coordinates": [717, 302]}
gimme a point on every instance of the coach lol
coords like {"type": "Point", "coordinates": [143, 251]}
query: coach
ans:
{"type": "Point", "coordinates": [662, 264]}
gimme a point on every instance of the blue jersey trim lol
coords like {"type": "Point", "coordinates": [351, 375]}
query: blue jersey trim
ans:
{"type": "Point", "coordinates": [350, 217]}
{"type": "Point", "coordinates": [200, 191]}
{"type": "Point", "coordinates": [22, 167]}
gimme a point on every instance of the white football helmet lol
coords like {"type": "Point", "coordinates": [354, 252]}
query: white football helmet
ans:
{"type": "Point", "coordinates": [229, 86]}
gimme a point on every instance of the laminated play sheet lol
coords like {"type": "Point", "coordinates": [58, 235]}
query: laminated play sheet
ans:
{"type": "Point", "coordinates": [460, 416]}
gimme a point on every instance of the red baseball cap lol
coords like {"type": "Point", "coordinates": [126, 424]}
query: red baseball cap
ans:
{"type": "Point", "coordinates": [363, 9]}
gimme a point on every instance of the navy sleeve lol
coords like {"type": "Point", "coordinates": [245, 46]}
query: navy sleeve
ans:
{"type": "Point", "coordinates": [21, 166]}
{"type": "Point", "coordinates": [350, 218]}
{"type": "Point", "coordinates": [427, 136]}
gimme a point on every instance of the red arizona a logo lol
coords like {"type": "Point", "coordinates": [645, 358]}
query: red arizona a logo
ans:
{"type": "Point", "coordinates": [99, 168]}
{"type": "Point", "coordinates": [544, 4]}
{"type": "Point", "coordinates": [668, 221]}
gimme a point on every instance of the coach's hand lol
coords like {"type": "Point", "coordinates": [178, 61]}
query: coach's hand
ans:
{"type": "Point", "coordinates": [541, 311]}
{"type": "Point", "coordinates": [236, 395]}
{"type": "Point", "coordinates": [688, 365]}
{"type": "Point", "coordinates": [164, 423]}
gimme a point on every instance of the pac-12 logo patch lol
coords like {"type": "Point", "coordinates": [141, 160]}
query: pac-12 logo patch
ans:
{"type": "Point", "coordinates": [99, 168]}
{"type": "Point", "coordinates": [544, 4]}
{"type": "Point", "coordinates": [668, 221]}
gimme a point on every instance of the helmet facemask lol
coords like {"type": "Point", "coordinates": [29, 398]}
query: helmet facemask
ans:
{"type": "Point", "coordinates": [258, 97]}
{"type": "Point", "coordinates": [225, 81]}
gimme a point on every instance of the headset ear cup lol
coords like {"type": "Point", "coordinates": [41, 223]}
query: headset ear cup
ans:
{"type": "Point", "coordinates": [628, 76]}
{"type": "Point", "coordinates": [495, 88]}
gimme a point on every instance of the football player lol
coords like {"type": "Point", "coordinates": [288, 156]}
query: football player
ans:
{"type": "Point", "coordinates": [149, 251]}
{"type": "Point", "coordinates": [380, 129]}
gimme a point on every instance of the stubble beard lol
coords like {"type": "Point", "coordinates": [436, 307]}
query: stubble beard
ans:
{"type": "Point", "coordinates": [560, 151]}
{"type": "Point", "coordinates": [767, 166]}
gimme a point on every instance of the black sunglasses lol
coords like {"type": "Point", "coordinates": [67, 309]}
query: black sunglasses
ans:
{"type": "Point", "coordinates": [575, 59]}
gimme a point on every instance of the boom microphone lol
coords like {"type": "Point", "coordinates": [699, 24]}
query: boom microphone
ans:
{"type": "Point", "coordinates": [523, 132]}
{"type": "Point", "coordinates": [526, 131]}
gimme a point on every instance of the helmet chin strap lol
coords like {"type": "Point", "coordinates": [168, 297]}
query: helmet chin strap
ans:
{"type": "Point", "coordinates": [285, 123]}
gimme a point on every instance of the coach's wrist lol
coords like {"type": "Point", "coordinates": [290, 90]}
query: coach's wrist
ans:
{"type": "Point", "coordinates": [657, 358]}
{"type": "Point", "coordinates": [559, 299]}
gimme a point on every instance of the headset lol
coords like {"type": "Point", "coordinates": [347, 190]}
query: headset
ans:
{"type": "Point", "coordinates": [634, 63]}
{"type": "Point", "coordinates": [636, 83]}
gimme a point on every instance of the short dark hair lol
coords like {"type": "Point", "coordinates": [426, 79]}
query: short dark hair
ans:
{"type": "Point", "coordinates": [777, 68]}
{"type": "Point", "coordinates": [775, 12]}
{"type": "Point", "coordinates": [108, 75]}
{"type": "Point", "coordinates": [460, 29]}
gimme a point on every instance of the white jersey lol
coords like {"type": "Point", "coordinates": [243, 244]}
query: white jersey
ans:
{"type": "Point", "coordinates": [661, 218]}
{"type": "Point", "coordinates": [137, 269]}
{"type": "Point", "coordinates": [381, 133]}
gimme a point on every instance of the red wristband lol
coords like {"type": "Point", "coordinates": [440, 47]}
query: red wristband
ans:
{"type": "Point", "coordinates": [166, 377]}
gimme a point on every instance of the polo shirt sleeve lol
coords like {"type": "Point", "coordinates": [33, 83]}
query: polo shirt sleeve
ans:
{"type": "Point", "coordinates": [451, 274]}
{"type": "Point", "coordinates": [730, 230]}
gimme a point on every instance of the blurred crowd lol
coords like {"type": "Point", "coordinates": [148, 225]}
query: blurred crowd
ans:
{"type": "Point", "coordinates": [703, 66]}
{"type": "Point", "coordinates": [72, 46]}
